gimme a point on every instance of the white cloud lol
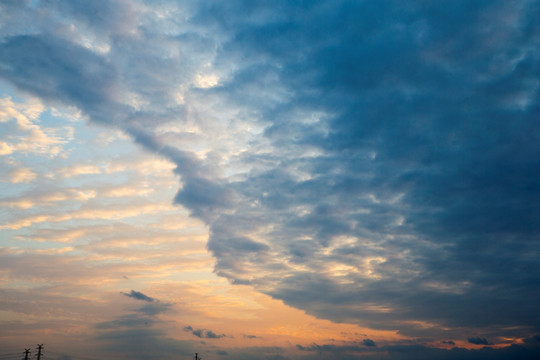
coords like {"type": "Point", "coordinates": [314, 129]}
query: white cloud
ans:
{"type": "Point", "coordinates": [78, 170]}
{"type": "Point", "coordinates": [22, 175]}
{"type": "Point", "coordinates": [28, 136]}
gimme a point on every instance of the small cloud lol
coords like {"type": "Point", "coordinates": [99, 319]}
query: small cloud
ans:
{"type": "Point", "coordinates": [22, 175]}
{"type": "Point", "coordinates": [368, 342]}
{"type": "Point", "coordinates": [139, 296]}
{"type": "Point", "coordinates": [78, 170]}
{"type": "Point", "coordinates": [212, 335]}
{"type": "Point", "coordinates": [448, 342]}
{"type": "Point", "coordinates": [203, 334]}
{"type": "Point", "coordinates": [478, 341]}
{"type": "Point", "coordinates": [222, 353]}
{"type": "Point", "coordinates": [206, 81]}
{"type": "Point", "coordinates": [251, 336]}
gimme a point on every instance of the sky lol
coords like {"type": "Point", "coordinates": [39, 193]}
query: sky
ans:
{"type": "Point", "coordinates": [276, 180]}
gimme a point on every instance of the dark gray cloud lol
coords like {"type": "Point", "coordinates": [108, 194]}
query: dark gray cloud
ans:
{"type": "Point", "coordinates": [261, 352]}
{"type": "Point", "coordinates": [203, 333]}
{"type": "Point", "coordinates": [423, 191]}
{"type": "Point", "coordinates": [154, 306]}
{"type": "Point", "coordinates": [369, 342]}
{"type": "Point", "coordinates": [478, 341]}
{"type": "Point", "coordinates": [367, 162]}
{"type": "Point", "coordinates": [534, 339]}
{"type": "Point", "coordinates": [139, 296]}
{"type": "Point", "coordinates": [419, 352]}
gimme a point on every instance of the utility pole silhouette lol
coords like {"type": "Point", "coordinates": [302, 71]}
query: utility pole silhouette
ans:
{"type": "Point", "coordinates": [26, 353]}
{"type": "Point", "coordinates": [196, 357]}
{"type": "Point", "coordinates": [39, 348]}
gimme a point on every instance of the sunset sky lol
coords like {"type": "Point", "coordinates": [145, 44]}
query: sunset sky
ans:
{"type": "Point", "coordinates": [275, 180]}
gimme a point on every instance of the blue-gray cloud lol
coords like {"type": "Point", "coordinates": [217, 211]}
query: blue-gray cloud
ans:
{"type": "Point", "coordinates": [417, 351]}
{"type": "Point", "coordinates": [478, 341]}
{"type": "Point", "coordinates": [154, 306]}
{"type": "Point", "coordinates": [139, 296]}
{"type": "Point", "coordinates": [204, 334]}
{"type": "Point", "coordinates": [372, 162]}
{"type": "Point", "coordinates": [369, 342]}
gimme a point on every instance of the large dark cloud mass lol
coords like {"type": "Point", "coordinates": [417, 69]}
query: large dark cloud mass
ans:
{"type": "Point", "coordinates": [420, 352]}
{"type": "Point", "coordinates": [374, 162]}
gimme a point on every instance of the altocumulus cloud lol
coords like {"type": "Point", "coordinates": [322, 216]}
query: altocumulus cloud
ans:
{"type": "Point", "coordinates": [370, 162]}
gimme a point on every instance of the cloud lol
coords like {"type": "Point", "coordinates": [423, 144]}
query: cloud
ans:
{"type": "Point", "coordinates": [535, 339]}
{"type": "Point", "coordinates": [92, 211]}
{"type": "Point", "coordinates": [139, 334]}
{"type": "Point", "coordinates": [23, 133]}
{"type": "Point", "coordinates": [403, 166]}
{"type": "Point", "coordinates": [22, 175]}
{"type": "Point", "coordinates": [204, 334]}
{"type": "Point", "coordinates": [139, 296]}
{"type": "Point", "coordinates": [49, 197]}
{"type": "Point", "coordinates": [478, 341]}
{"type": "Point", "coordinates": [368, 162]}
{"type": "Point", "coordinates": [369, 342]}
{"type": "Point", "coordinates": [401, 352]}
{"type": "Point", "coordinates": [78, 170]}
{"type": "Point", "coordinates": [260, 352]}
{"type": "Point", "coordinates": [155, 308]}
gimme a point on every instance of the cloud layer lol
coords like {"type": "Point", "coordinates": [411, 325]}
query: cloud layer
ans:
{"type": "Point", "coordinates": [367, 162]}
